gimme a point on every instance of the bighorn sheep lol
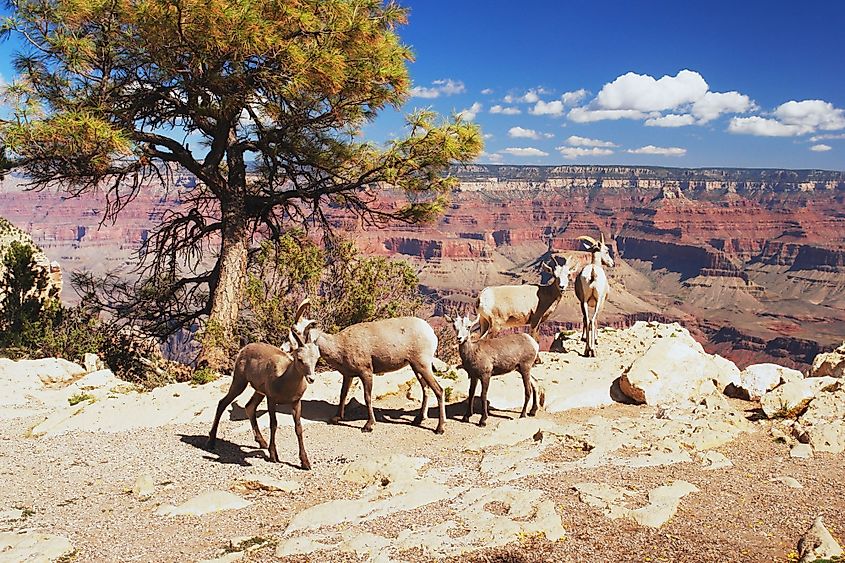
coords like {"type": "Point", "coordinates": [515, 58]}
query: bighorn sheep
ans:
{"type": "Point", "coordinates": [377, 347]}
{"type": "Point", "coordinates": [495, 356]}
{"type": "Point", "coordinates": [503, 306]}
{"type": "Point", "coordinates": [278, 375]}
{"type": "Point", "coordinates": [591, 288]}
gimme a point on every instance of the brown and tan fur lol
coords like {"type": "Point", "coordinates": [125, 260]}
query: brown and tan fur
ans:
{"type": "Point", "coordinates": [377, 347]}
{"type": "Point", "coordinates": [495, 356]}
{"type": "Point", "coordinates": [591, 289]}
{"type": "Point", "coordinates": [280, 376]}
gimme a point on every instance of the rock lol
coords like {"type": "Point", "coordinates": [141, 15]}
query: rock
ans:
{"type": "Point", "coordinates": [715, 460]}
{"type": "Point", "coordinates": [817, 543]}
{"type": "Point", "coordinates": [823, 423]}
{"type": "Point", "coordinates": [50, 371]}
{"type": "Point", "coordinates": [33, 546]}
{"type": "Point", "coordinates": [144, 487]}
{"type": "Point", "coordinates": [510, 432]}
{"type": "Point", "coordinates": [790, 482]}
{"type": "Point", "coordinates": [662, 505]}
{"type": "Point", "coordinates": [210, 501]}
{"type": "Point", "coordinates": [92, 362]}
{"type": "Point", "coordinates": [11, 515]}
{"type": "Point", "coordinates": [792, 398]}
{"type": "Point", "coordinates": [383, 470]}
{"type": "Point", "coordinates": [801, 451]}
{"type": "Point", "coordinates": [830, 364]}
{"type": "Point", "coordinates": [258, 482]}
{"type": "Point", "coordinates": [756, 380]}
{"type": "Point", "coordinates": [225, 558]}
{"type": "Point", "coordinates": [674, 370]}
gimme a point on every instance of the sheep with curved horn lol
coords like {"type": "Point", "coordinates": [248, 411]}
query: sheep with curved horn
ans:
{"type": "Point", "coordinates": [591, 289]}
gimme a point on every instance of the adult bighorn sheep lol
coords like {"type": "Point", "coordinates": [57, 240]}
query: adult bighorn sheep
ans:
{"type": "Point", "coordinates": [495, 356]}
{"type": "Point", "coordinates": [591, 289]}
{"type": "Point", "coordinates": [377, 347]}
{"type": "Point", "coordinates": [502, 306]}
{"type": "Point", "coordinates": [280, 376]}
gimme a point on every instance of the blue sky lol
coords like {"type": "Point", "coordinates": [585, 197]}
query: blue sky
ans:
{"type": "Point", "coordinates": [764, 84]}
{"type": "Point", "coordinates": [740, 83]}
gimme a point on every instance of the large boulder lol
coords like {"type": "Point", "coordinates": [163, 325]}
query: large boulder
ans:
{"type": "Point", "coordinates": [758, 379]}
{"type": "Point", "coordinates": [675, 370]}
{"type": "Point", "coordinates": [791, 399]}
{"type": "Point", "coordinates": [818, 544]}
{"type": "Point", "coordinates": [823, 423]}
{"type": "Point", "coordinates": [49, 370]}
{"type": "Point", "coordinates": [830, 364]}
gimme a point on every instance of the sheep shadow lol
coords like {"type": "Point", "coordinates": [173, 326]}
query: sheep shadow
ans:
{"type": "Point", "coordinates": [225, 452]}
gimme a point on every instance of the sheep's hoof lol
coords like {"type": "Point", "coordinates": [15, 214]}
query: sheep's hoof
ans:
{"type": "Point", "coordinates": [465, 418]}
{"type": "Point", "coordinates": [306, 466]}
{"type": "Point", "coordinates": [482, 423]}
{"type": "Point", "coordinates": [418, 420]}
{"type": "Point", "coordinates": [274, 458]}
{"type": "Point", "coordinates": [210, 443]}
{"type": "Point", "coordinates": [439, 430]}
{"type": "Point", "coordinates": [533, 412]}
{"type": "Point", "coordinates": [367, 428]}
{"type": "Point", "coordinates": [522, 415]}
{"type": "Point", "coordinates": [335, 420]}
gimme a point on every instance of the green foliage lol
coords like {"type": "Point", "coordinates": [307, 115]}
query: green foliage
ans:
{"type": "Point", "coordinates": [203, 375]}
{"type": "Point", "coordinates": [77, 398]}
{"type": "Point", "coordinates": [344, 287]}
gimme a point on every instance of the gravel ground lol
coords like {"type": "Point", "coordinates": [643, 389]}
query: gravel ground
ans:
{"type": "Point", "coordinates": [79, 485]}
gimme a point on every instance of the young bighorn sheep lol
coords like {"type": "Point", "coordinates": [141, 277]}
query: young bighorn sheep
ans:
{"type": "Point", "coordinates": [377, 347]}
{"type": "Point", "coordinates": [504, 306]}
{"type": "Point", "coordinates": [495, 356]}
{"type": "Point", "coordinates": [280, 376]}
{"type": "Point", "coordinates": [591, 288]}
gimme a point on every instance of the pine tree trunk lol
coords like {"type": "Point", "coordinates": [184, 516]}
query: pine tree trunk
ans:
{"type": "Point", "coordinates": [219, 340]}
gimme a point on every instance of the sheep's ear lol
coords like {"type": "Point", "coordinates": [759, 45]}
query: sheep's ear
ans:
{"type": "Point", "coordinates": [448, 319]}
{"type": "Point", "coordinates": [296, 337]}
{"type": "Point", "coordinates": [303, 307]}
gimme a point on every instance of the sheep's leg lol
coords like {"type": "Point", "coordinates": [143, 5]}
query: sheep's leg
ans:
{"type": "Point", "coordinates": [274, 423]}
{"type": "Point", "coordinates": [585, 321]}
{"type": "Point", "coordinates": [250, 408]}
{"type": "Point", "coordinates": [594, 327]}
{"type": "Point", "coordinates": [485, 383]}
{"type": "Point", "coordinates": [525, 372]}
{"type": "Point", "coordinates": [237, 387]}
{"type": "Point", "coordinates": [472, 382]}
{"type": "Point", "coordinates": [535, 334]}
{"type": "Point", "coordinates": [428, 376]}
{"type": "Point", "coordinates": [367, 380]}
{"type": "Point", "coordinates": [418, 420]}
{"type": "Point", "coordinates": [534, 393]}
{"type": "Point", "coordinates": [297, 424]}
{"type": "Point", "coordinates": [341, 407]}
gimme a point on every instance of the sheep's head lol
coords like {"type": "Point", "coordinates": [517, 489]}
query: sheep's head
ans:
{"type": "Point", "coordinates": [305, 352]}
{"type": "Point", "coordinates": [598, 246]}
{"type": "Point", "coordinates": [463, 326]}
{"type": "Point", "coordinates": [560, 271]}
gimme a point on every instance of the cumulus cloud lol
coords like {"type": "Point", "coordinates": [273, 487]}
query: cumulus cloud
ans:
{"type": "Point", "coordinates": [576, 141]}
{"type": "Point", "coordinates": [443, 87]}
{"type": "Point", "coordinates": [827, 136]}
{"type": "Point", "coordinates": [586, 115]}
{"type": "Point", "coordinates": [487, 91]}
{"type": "Point", "coordinates": [575, 152]}
{"type": "Point", "coordinates": [529, 97]}
{"type": "Point", "coordinates": [522, 133]}
{"type": "Point", "coordinates": [491, 158]}
{"type": "Point", "coordinates": [572, 98]}
{"type": "Point", "coordinates": [792, 118]}
{"type": "Point", "coordinates": [713, 104]}
{"type": "Point", "coordinates": [553, 108]}
{"type": "Point", "coordinates": [670, 120]}
{"type": "Point", "coordinates": [662, 151]}
{"type": "Point", "coordinates": [821, 148]}
{"type": "Point", "coordinates": [524, 151]}
{"type": "Point", "coordinates": [468, 114]}
{"type": "Point", "coordinates": [505, 110]}
{"type": "Point", "coordinates": [642, 92]}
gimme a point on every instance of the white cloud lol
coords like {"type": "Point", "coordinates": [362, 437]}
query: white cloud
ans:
{"type": "Point", "coordinates": [662, 151]}
{"type": "Point", "coordinates": [468, 114]}
{"type": "Point", "coordinates": [522, 133]}
{"type": "Point", "coordinates": [554, 108]}
{"type": "Point", "coordinates": [827, 136]}
{"type": "Point", "coordinates": [821, 148]}
{"type": "Point", "coordinates": [811, 114]}
{"type": "Point", "coordinates": [505, 110]}
{"type": "Point", "coordinates": [487, 91]}
{"type": "Point", "coordinates": [585, 115]}
{"type": "Point", "coordinates": [488, 135]}
{"type": "Point", "coordinates": [670, 120]}
{"type": "Point", "coordinates": [576, 141]}
{"type": "Point", "coordinates": [642, 92]}
{"type": "Point", "coordinates": [713, 104]}
{"type": "Point", "coordinates": [575, 152]}
{"type": "Point", "coordinates": [762, 127]}
{"type": "Point", "coordinates": [524, 151]}
{"type": "Point", "coordinates": [572, 98]}
{"type": "Point", "coordinates": [528, 97]}
{"type": "Point", "coordinates": [491, 158]}
{"type": "Point", "coordinates": [445, 87]}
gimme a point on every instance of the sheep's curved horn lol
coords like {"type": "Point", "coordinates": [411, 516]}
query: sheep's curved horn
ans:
{"type": "Point", "coordinates": [301, 309]}
{"type": "Point", "coordinates": [296, 337]}
{"type": "Point", "coordinates": [307, 330]}
{"type": "Point", "coordinates": [475, 322]}
{"type": "Point", "coordinates": [545, 267]}
{"type": "Point", "coordinates": [588, 239]}
{"type": "Point", "coordinates": [602, 238]}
